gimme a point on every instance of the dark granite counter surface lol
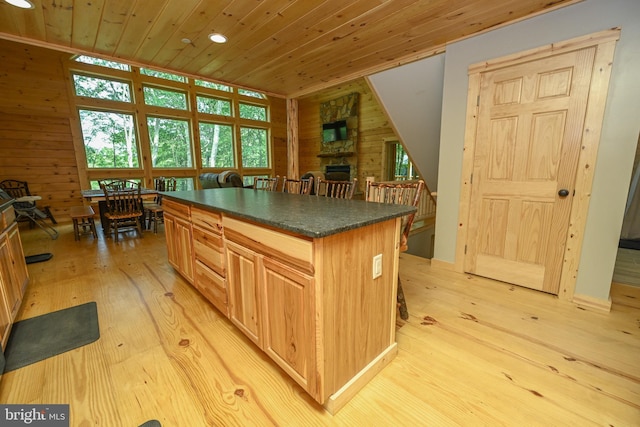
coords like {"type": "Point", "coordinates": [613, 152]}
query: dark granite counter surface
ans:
{"type": "Point", "coordinates": [5, 203]}
{"type": "Point", "coordinates": [309, 216]}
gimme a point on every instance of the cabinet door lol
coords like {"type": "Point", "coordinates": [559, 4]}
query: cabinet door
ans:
{"type": "Point", "coordinates": [242, 275]}
{"type": "Point", "coordinates": [180, 253]}
{"type": "Point", "coordinates": [7, 295]}
{"type": "Point", "coordinates": [21, 275]}
{"type": "Point", "coordinates": [288, 322]}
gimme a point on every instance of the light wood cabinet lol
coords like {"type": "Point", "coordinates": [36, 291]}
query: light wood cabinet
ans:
{"type": "Point", "coordinates": [210, 259]}
{"type": "Point", "coordinates": [6, 291]}
{"type": "Point", "coordinates": [244, 298]}
{"type": "Point", "coordinates": [289, 322]}
{"type": "Point", "coordinates": [13, 279]}
{"type": "Point", "coordinates": [178, 232]}
{"type": "Point", "coordinates": [311, 304]}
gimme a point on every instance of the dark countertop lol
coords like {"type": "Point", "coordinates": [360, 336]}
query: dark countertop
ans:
{"type": "Point", "coordinates": [5, 203]}
{"type": "Point", "coordinates": [310, 216]}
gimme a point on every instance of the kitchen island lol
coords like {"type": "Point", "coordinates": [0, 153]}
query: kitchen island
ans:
{"type": "Point", "coordinates": [296, 275]}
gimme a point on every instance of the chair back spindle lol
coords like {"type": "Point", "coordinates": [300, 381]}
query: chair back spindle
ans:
{"type": "Point", "coordinates": [266, 184]}
{"type": "Point", "coordinates": [336, 189]}
{"type": "Point", "coordinates": [297, 186]}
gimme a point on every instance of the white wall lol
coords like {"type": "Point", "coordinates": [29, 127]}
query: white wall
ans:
{"type": "Point", "coordinates": [412, 96]}
{"type": "Point", "coordinates": [619, 133]}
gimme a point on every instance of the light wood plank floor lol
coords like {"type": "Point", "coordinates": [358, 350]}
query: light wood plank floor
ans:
{"type": "Point", "coordinates": [474, 352]}
{"type": "Point", "coordinates": [627, 268]}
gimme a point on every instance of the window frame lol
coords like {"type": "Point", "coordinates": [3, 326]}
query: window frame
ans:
{"type": "Point", "coordinates": [141, 111]}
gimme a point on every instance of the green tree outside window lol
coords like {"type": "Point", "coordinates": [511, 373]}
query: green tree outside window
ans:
{"type": "Point", "coordinates": [255, 150]}
{"type": "Point", "coordinates": [109, 139]}
{"type": "Point", "coordinates": [253, 112]}
{"type": "Point", "coordinates": [209, 105]}
{"type": "Point", "coordinates": [216, 144]}
{"type": "Point", "coordinates": [165, 98]}
{"type": "Point", "coordinates": [170, 143]}
{"type": "Point", "coordinates": [94, 87]}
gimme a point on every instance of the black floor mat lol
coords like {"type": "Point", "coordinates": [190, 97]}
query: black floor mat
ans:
{"type": "Point", "coordinates": [31, 259]}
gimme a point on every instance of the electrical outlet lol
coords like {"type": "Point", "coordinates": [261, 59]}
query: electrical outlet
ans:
{"type": "Point", "coordinates": [377, 266]}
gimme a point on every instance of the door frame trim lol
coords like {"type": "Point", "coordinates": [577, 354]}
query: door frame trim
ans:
{"type": "Point", "coordinates": [605, 42]}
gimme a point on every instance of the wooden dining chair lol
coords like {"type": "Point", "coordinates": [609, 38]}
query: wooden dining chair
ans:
{"type": "Point", "coordinates": [153, 210]}
{"type": "Point", "coordinates": [297, 186]}
{"type": "Point", "coordinates": [336, 189]}
{"type": "Point", "coordinates": [400, 193]}
{"type": "Point", "coordinates": [266, 184]}
{"type": "Point", "coordinates": [124, 207]}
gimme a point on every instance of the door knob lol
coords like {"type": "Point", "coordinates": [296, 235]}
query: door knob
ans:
{"type": "Point", "coordinates": [563, 193]}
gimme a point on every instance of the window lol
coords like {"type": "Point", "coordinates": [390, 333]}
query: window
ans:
{"type": "Point", "coordinates": [255, 152]}
{"type": "Point", "coordinates": [163, 75]}
{"type": "Point", "coordinates": [95, 87]}
{"type": "Point", "coordinates": [170, 123]}
{"type": "Point", "coordinates": [170, 141]}
{"type": "Point", "coordinates": [165, 98]}
{"type": "Point", "coordinates": [109, 139]}
{"type": "Point", "coordinates": [251, 93]}
{"type": "Point", "coordinates": [212, 85]}
{"type": "Point", "coordinates": [216, 145]}
{"type": "Point", "coordinates": [253, 112]}
{"type": "Point", "coordinates": [103, 63]}
{"type": "Point", "coordinates": [184, 184]}
{"type": "Point", "coordinates": [209, 105]}
{"type": "Point", "coordinates": [399, 165]}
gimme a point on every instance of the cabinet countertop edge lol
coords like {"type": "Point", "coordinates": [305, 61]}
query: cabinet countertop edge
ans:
{"type": "Point", "coordinates": [310, 216]}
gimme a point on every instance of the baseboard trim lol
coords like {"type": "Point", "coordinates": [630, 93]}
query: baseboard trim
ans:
{"type": "Point", "coordinates": [592, 303]}
{"type": "Point", "coordinates": [341, 397]}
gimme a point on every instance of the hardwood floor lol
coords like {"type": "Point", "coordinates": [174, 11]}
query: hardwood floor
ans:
{"type": "Point", "coordinates": [627, 268]}
{"type": "Point", "coordinates": [474, 351]}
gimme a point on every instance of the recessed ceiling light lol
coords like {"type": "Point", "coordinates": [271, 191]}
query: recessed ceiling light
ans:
{"type": "Point", "coordinates": [186, 41]}
{"type": "Point", "coordinates": [217, 38]}
{"type": "Point", "coordinates": [23, 4]}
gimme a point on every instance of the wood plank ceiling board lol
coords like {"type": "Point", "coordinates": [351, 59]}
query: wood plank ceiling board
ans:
{"type": "Point", "coordinates": [85, 30]}
{"type": "Point", "coordinates": [247, 34]}
{"type": "Point", "coordinates": [115, 19]}
{"type": "Point", "coordinates": [163, 28]}
{"type": "Point", "coordinates": [139, 27]}
{"type": "Point", "coordinates": [282, 47]}
{"type": "Point", "coordinates": [58, 21]}
{"type": "Point", "coordinates": [283, 44]}
{"type": "Point", "coordinates": [205, 20]}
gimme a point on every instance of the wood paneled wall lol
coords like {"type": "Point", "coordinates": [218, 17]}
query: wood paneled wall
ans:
{"type": "Point", "coordinates": [373, 128]}
{"type": "Point", "coordinates": [35, 135]}
{"type": "Point", "coordinates": [36, 142]}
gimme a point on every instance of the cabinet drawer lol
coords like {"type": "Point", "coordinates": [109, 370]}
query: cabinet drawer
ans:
{"type": "Point", "coordinates": [209, 249]}
{"type": "Point", "coordinates": [176, 209]}
{"type": "Point", "coordinates": [206, 219]}
{"type": "Point", "coordinates": [212, 286]}
{"type": "Point", "coordinates": [291, 250]}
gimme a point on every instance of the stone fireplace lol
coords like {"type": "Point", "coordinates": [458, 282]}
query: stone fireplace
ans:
{"type": "Point", "coordinates": [340, 156]}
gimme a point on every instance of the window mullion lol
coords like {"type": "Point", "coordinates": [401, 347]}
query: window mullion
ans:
{"type": "Point", "coordinates": [143, 132]}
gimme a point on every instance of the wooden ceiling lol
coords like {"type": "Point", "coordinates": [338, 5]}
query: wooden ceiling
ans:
{"type": "Point", "coordinates": [283, 47]}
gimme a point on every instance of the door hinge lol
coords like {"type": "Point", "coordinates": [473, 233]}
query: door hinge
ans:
{"type": "Point", "coordinates": [478, 101]}
{"type": "Point", "coordinates": [465, 249]}
{"type": "Point", "coordinates": [471, 179]}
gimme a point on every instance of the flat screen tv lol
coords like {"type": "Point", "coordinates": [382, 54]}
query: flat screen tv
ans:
{"type": "Point", "coordinates": [334, 131]}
